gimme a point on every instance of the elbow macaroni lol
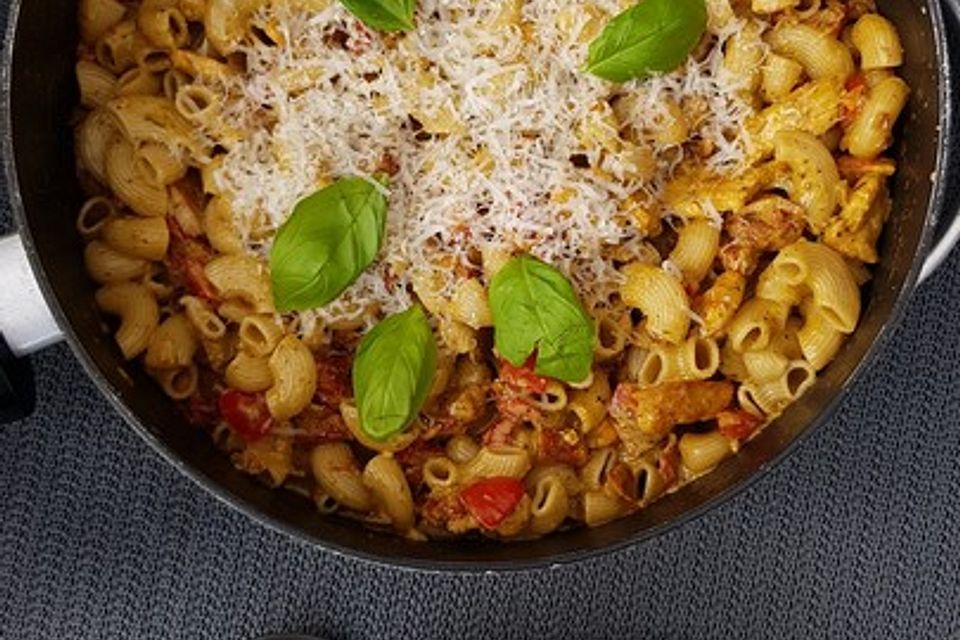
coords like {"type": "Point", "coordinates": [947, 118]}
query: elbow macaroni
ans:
{"type": "Point", "coordinates": [697, 244]}
{"type": "Point", "coordinates": [711, 309]}
{"type": "Point", "coordinates": [294, 378]}
{"type": "Point", "coordinates": [820, 54]}
{"type": "Point", "coordinates": [878, 42]}
{"type": "Point", "coordinates": [660, 297]}
{"type": "Point", "coordinates": [138, 312]}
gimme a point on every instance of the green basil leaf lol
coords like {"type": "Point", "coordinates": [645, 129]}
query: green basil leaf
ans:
{"type": "Point", "coordinates": [331, 237]}
{"type": "Point", "coordinates": [383, 15]}
{"type": "Point", "coordinates": [535, 307]}
{"type": "Point", "coordinates": [393, 372]}
{"type": "Point", "coordinates": [654, 36]}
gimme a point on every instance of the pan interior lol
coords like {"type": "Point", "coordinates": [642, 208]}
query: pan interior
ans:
{"type": "Point", "coordinates": [41, 107]}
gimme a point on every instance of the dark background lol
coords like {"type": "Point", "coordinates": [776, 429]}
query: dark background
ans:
{"type": "Point", "coordinates": [857, 534]}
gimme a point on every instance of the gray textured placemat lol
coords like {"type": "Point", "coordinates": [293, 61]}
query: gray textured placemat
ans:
{"type": "Point", "coordinates": [856, 535]}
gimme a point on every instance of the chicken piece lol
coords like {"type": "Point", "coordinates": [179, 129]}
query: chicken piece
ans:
{"type": "Point", "coordinates": [272, 455]}
{"type": "Point", "coordinates": [831, 17]}
{"type": "Point", "coordinates": [318, 424]}
{"type": "Point", "coordinates": [445, 512]}
{"type": "Point", "coordinates": [565, 446]}
{"type": "Point", "coordinates": [813, 107]}
{"type": "Point", "coordinates": [604, 435]}
{"type": "Point", "coordinates": [645, 415]}
{"type": "Point", "coordinates": [852, 168]}
{"type": "Point", "coordinates": [855, 230]}
{"type": "Point", "coordinates": [767, 224]}
{"type": "Point", "coordinates": [720, 302]}
{"type": "Point", "coordinates": [467, 406]}
{"type": "Point", "coordinates": [186, 206]}
{"type": "Point", "coordinates": [687, 193]}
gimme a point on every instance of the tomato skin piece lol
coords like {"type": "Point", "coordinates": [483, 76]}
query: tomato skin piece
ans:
{"type": "Point", "coordinates": [491, 500]}
{"type": "Point", "coordinates": [669, 461]}
{"type": "Point", "coordinates": [738, 424]}
{"type": "Point", "coordinates": [186, 259]}
{"type": "Point", "coordinates": [246, 413]}
{"type": "Point", "coordinates": [523, 377]}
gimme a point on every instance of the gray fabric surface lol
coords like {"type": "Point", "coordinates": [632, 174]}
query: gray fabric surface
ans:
{"type": "Point", "coordinates": [856, 535]}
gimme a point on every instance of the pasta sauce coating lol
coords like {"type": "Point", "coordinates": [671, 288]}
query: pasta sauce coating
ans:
{"type": "Point", "coordinates": [714, 223]}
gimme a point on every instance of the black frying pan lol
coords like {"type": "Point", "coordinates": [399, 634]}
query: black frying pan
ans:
{"type": "Point", "coordinates": [38, 96]}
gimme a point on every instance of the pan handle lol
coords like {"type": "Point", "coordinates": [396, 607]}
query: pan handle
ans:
{"type": "Point", "coordinates": [951, 235]}
{"type": "Point", "coordinates": [25, 319]}
{"type": "Point", "coordinates": [26, 325]}
{"type": "Point", "coordinates": [941, 249]}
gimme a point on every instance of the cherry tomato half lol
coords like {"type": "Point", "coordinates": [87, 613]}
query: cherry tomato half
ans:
{"type": "Point", "coordinates": [491, 500]}
{"type": "Point", "coordinates": [246, 413]}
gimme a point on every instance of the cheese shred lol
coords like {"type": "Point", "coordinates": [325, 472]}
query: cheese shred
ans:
{"type": "Point", "coordinates": [492, 136]}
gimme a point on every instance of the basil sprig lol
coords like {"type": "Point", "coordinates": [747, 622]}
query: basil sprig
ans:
{"type": "Point", "coordinates": [331, 237]}
{"type": "Point", "coordinates": [393, 372]}
{"type": "Point", "coordinates": [383, 15]}
{"type": "Point", "coordinates": [654, 36]}
{"type": "Point", "coordinates": [535, 307]}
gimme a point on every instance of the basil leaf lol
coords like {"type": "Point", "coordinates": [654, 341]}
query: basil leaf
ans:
{"type": "Point", "coordinates": [383, 15]}
{"type": "Point", "coordinates": [654, 36]}
{"type": "Point", "coordinates": [535, 307]}
{"type": "Point", "coordinates": [331, 237]}
{"type": "Point", "coordinates": [393, 372]}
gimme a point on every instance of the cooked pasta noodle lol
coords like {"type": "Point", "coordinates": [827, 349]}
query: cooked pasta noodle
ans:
{"type": "Point", "coordinates": [707, 231]}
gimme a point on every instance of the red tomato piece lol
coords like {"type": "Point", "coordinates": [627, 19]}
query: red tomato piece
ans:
{"type": "Point", "coordinates": [523, 377]}
{"type": "Point", "coordinates": [246, 413]}
{"type": "Point", "coordinates": [491, 500]}
{"type": "Point", "coordinates": [856, 82]}
{"type": "Point", "coordinates": [738, 424]}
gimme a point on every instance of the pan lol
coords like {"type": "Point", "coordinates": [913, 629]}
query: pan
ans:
{"type": "Point", "coordinates": [46, 297]}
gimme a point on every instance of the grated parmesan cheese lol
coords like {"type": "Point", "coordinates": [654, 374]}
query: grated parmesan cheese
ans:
{"type": "Point", "coordinates": [507, 106]}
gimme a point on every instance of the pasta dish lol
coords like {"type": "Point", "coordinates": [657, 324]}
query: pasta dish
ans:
{"type": "Point", "coordinates": [454, 267]}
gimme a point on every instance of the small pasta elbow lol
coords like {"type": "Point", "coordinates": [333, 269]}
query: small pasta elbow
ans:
{"type": "Point", "coordinates": [294, 378]}
{"type": "Point", "coordinates": [878, 42]}
{"type": "Point", "coordinates": [173, 344]}
{"type": "Point", "coordinates": [146, 238]}
{"type": "Point", "coordinates": [660, 297]}
{"type": "Point", "coordinates": [139, 315]}
{"type": "Point", "coordinates": [386, 481]}
{"type": "Point", "coordinates": [335, 470]}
